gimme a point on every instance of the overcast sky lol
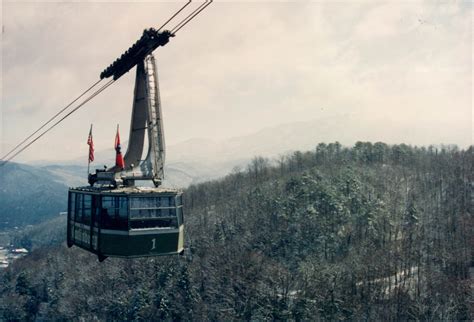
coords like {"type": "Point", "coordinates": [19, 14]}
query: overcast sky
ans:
{"type": "Point", "coordinates": [239, 67]}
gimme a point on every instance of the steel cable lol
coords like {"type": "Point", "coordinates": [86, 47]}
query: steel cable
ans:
{"type": "Point", "coordinates": [59, 121]}
{"type": "Point", "coordinates": [49, 121]}
{"type": "Point", "coordinates": [177, 12]}
{"type": "Point", "coordinates": [191, 16]}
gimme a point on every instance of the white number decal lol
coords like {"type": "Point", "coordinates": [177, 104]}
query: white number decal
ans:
{"type": "Point", "coordinates": [153, 243]}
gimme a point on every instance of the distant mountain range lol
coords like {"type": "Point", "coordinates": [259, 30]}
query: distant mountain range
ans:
{"type": "Point", "coordinates": [31, 192]}
{"type": "Point", "coordinates": [201, 159]}
{"type": "Point", "coordinates": [29, 195]}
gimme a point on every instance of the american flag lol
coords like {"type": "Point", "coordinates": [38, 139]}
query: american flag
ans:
{"type": "Point", "coordinates": [90, 142]}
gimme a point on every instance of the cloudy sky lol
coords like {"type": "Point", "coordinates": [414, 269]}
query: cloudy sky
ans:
{"type": "Point", "coordinates": [239, 67]}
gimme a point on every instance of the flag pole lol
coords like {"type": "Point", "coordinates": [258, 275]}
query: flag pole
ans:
{"type": "Point", "coordinates": [89, 153]}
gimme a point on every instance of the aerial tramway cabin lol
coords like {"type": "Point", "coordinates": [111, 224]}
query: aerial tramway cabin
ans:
{"type": "Point", "coordinates": [126, 222]}
{"type": "Point", "coordinates": [113, 217]}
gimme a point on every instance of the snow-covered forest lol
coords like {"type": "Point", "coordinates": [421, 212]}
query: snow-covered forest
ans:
{"type": "Point", "coordinates": [372, 232]}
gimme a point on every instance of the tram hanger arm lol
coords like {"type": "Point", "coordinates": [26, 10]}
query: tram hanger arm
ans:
{"type": "Point", "coordinates": [149, 41]}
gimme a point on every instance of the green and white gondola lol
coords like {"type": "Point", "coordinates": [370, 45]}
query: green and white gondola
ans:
{"type": "Point", "coordinates": [126, 222]}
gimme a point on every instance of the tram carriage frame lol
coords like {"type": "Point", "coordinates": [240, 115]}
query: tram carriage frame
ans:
{"type": "Point", "coordinates": [112, 217]}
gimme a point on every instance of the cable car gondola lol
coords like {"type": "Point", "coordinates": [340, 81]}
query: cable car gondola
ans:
{"type": "Point", "coordinates": [126, 222]}
{"type": "Point", "coordinates": [112, 216]}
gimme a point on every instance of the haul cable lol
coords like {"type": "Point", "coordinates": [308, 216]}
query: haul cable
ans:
{"type": "Point", "coordinates": [50, 120]}
{"type": "Point", "coordinates": [60, 120]}
{"type": "Point", "coordinates": [176, 13]}
{"type": "Point", "coordinates": [191, 16]}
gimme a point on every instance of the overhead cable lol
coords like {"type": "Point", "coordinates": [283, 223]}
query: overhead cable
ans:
{"type": "Point", "coordinates": [176, 13]}
{"type": "Point", "coordinates": [191, 16]}
{"type": "Point", "coordinates": [49, 121]}
{"type": "Point", "coordinates": [5, 161]}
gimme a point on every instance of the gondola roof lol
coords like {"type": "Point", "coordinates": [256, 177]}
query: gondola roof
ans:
{"type": "Point", "coordinates": [126, 190]}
